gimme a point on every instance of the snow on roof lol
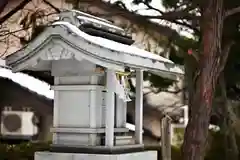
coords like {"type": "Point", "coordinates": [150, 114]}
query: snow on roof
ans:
{"type": "Point", "coordinates": [112, 45]}
{"type": "Point", "coordinates": [98, 50]}
{"type": "Point", "coordinates": [89, 15]}
{"type": "Point", "coordinates": [131, 127]}
{"type": "Point", "coordinates": [93, 20]}
{"type": "Point", "coordinates": [3, 64]}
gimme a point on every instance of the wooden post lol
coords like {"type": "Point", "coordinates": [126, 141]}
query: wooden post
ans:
{"type": "Point", "coordinates": [166, 138]}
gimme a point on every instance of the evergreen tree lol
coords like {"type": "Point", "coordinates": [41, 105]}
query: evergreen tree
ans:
{"type": "Point", "coordinates": [210, 21]}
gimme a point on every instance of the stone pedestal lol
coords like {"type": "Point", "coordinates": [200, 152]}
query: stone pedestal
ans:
{"type": "Point", "coordinates": [80, 105]}
{"type": "Point", "coordinates": [146, 155]}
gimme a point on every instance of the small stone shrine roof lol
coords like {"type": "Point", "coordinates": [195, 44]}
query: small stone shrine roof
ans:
{"type": "Point", "coordinates": [77, 35]}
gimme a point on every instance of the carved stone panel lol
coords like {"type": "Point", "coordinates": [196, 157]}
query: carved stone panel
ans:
{"type": "Point", "coordinates": [57, 51]}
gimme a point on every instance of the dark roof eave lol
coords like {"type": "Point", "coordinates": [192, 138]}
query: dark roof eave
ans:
{"type": "Point", "coordinates": [44, 76]}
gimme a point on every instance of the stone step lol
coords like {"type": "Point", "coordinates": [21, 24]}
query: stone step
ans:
{"type": "Point", "coordinates": [124, 140]}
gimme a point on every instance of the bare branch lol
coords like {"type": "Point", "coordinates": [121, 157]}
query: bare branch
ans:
{"type": "Point", "coordinates": [4, 33]}
{"type": "Point", "coordinates": [13, 11]}
{"type": "Point", "coordinates": [16, 31]}
{"type": "Point", "coordinates": [151, 7]}
{"type": "Point", "coordinates": [121, 4]}
{"type": "Point", "coordinates": [3, 4]}
{"type": "Point", "coordinates": [173, 20]}
{"type": "Point", "coordinates": [175, 16]}
{"type": "Point", "coordinates": [186, 10]}
{"type": "Point", "coordinates": [114, 10]}
{"type": "Point", "coordinates": [232, 12]}
{"type": "Point", "coordinates": [144, 20]}
{"type": "Point", "coordinates": [51, 5]}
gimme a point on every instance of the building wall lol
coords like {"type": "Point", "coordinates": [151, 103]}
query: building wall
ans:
{"type": "Point", "coordinates": [19, 98]}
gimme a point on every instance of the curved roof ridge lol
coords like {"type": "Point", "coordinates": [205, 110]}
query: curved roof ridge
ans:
{"type": "Point", "coordinates": [112, 44]}
{"type": "Point", "coordinates": [66, 36]}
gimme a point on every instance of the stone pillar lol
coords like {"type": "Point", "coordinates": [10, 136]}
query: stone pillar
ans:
{"type": "Point", "coordinates": [78, 107]}
{"type": "Point", "coordinates": [120, 113]}
{"type": "Point", "coordinates": [139, 107]}
{"type": "Point", "coordinates": [109, 134]}
{"type": "Point", "coordinates": [76, 117]}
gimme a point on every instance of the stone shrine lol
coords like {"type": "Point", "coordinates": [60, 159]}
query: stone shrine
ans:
{"type": "Point", "coordinates": [83, 54]}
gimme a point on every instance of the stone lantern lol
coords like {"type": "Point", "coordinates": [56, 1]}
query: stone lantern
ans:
{"type": "Point", "coordinates": [83, 54]}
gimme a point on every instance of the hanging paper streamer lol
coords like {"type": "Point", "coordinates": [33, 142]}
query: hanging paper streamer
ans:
{"type": "Point", "coordinates": [119, 89]}
{"type": "Point", "coordinates": [121, 86]}
{"type": "Point", "coordinates": [126, 88]}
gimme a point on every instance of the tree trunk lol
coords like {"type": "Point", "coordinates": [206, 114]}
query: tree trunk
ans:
{"type": "Point", "coordinates": [3, 4]}
{"type": "Point", "coordinates": [208, 72]}
{"type": "Point", "coordinates": [230, 144]}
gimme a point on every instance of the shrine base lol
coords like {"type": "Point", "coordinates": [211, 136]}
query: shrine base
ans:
{"type": "Point", "coordinates": [145, 155]}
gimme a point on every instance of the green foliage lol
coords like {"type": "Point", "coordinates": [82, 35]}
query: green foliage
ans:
{"type": "Point", "coordinates": [232, 73]}
{"type": "Point", "coordinates": [24, 151]}
{"type": "Point", "coordinates": [218, 150]}
{"type": "Point", "coordinates": [157, 81]}
{"type": "Point", "coordinates": [178, 136]}
{"type": "Point", "coordinates": [170, 3]}
{"type": "Point", "coordinates": [140, 1]}
{"type": "Point", "coordinates": [178, 54]}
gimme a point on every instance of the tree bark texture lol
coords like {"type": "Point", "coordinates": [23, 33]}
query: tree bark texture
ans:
{"type": "Point", "coordinates": [3, 3]}
{"type": "Point", "coordinates": [205, 81]}
{"type": "Point", "coordinates": [230, 144]}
